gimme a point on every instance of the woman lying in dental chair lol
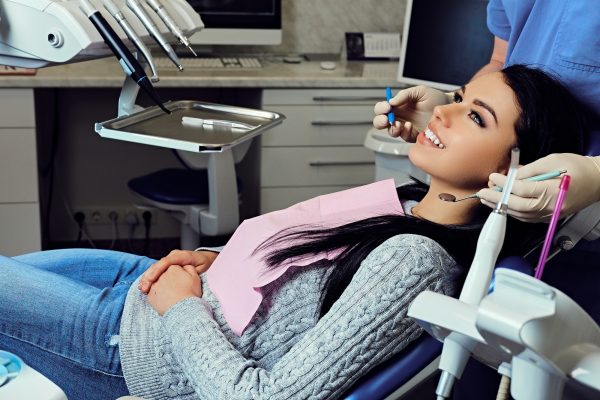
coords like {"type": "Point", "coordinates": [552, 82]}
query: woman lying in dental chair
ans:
{"type": "Point", "coordinates": [103, 324]}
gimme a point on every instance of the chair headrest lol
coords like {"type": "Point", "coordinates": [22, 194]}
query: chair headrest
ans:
{"type": "Point", "coordinates": [593, 147]}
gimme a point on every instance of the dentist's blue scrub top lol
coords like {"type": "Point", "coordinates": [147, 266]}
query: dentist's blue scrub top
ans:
{"type": "Point", "coordinates": [559, 36]}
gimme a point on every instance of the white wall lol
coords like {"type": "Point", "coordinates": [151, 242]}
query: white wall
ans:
{"type": "Point", "coordinates": [318, 26]}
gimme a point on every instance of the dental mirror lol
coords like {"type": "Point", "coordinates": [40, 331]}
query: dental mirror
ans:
{"type": "Point", "coordinates": [452, 198]}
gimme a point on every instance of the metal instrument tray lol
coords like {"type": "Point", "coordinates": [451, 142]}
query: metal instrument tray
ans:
{"type": "Point", "coordinates": [154, 127]}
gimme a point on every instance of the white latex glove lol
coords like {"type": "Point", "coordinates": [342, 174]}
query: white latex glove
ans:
{"type": "Point", "coordinates": [412, 107]}
{"type": "Point", "coordinates": [534, 201]}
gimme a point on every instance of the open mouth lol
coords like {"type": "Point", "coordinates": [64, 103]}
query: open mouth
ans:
{"type": "Point", "coordinates": [433, 138]}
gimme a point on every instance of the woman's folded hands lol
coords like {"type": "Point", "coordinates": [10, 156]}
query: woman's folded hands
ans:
{"type": "Point", "coordinates": [199, 260]}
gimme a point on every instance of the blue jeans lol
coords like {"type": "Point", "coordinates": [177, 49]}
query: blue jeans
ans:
{"type": "Point", "coordinates": [60, 312]}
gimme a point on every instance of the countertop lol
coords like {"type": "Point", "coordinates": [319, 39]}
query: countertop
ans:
{"type": "Point", "coordinates": [274, 73]}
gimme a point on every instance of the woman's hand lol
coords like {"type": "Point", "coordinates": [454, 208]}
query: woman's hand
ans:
{"type": "Point", "coordinates": [200, 260]}
{"type": "Point", "coordinates": [413, 105]}
{"type": "Point", "coordinates": [534, 201]}
{"type": "Point", "coordinates": [175, 284]}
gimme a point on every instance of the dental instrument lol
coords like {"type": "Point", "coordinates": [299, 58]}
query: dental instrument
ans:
{"type": "Point", "coordinates": [542, 177]}
{"type": "Point", "coordinates": [171, 24]}
{"type": "Point", "coordinates": [140, 12]}
{"type": "Point", "coordinates": [128, 62]}
{"type": "Point", "coordinates": [457, 348]}
{"type": "Point", "coordinates": [391, 116]}
{"type": "Point", "coordinates": [200, 122]}
{"type": "Point", "coordinates": [114, 10]}
{"type": "Point", "coordinates": [563, 187]}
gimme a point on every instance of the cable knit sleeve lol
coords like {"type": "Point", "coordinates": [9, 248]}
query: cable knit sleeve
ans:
{"type": "Point", "coordinates": [364, 327]}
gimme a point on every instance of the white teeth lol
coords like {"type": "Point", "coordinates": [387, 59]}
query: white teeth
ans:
{"type": "Point", "coordinates": [433, 138]}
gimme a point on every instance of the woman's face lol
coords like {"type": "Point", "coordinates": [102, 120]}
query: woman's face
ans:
{"type": "Point", "coordinates": [474, 134]}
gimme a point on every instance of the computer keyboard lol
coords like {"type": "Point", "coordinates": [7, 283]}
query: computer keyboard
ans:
{"type": "Point", "coordinates": [210, 62]}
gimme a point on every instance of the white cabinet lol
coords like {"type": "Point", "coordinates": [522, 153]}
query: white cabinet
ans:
{"type": "Point", "coordinates": [19, 201]}
{"type": "Point", "coordinates": [319, 147]}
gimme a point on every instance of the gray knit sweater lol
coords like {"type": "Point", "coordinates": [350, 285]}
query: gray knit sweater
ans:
{"type": "Point", "coordinates": [286, 352]}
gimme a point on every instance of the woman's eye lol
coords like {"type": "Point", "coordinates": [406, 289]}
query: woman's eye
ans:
{"type": "Point", "coordinates": [457, 97]}
{"type": "Point", "coordinates": [476, 118]}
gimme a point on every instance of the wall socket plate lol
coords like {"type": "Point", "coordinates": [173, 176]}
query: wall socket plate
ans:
{"type": "Point", "coordinates": [101, 215]}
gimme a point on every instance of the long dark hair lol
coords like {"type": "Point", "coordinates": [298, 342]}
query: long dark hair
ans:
{"type": "Point", "coordinates": [550, 121]}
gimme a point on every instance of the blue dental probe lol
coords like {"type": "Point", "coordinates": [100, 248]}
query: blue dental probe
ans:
{"type": "Point", "coordinates": [391, 116]}
{"type": "Point", "coordinates": [128, 62]}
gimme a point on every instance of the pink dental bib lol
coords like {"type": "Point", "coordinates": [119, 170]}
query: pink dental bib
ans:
{"type": "Point", "coordinates": [237, 275]}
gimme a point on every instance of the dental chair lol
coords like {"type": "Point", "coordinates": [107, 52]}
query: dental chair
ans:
{"type": "Point", "coordinates": [574, 270]}
{"type": "Point", "coordinates": [570, 271]}
{"type": "Point", "coordinates": [203, 196]}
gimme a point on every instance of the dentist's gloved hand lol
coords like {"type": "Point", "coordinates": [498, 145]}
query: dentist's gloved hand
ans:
{"type": "Point", "coordinates": [413, 108]}
{"type": "Point", "coordinates": [534, 201]}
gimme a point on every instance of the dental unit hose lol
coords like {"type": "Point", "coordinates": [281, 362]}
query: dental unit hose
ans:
{"type": "Point", "coordinates": [140, 12]}
{"type": "Point", "coordinates": [170, 23]}
{"type": "Point", "coordinates": [128, 62]}
{"type": "Point", "coordinates": [114, 10]}
{"type": "Point", "coordinates": [455, 353]}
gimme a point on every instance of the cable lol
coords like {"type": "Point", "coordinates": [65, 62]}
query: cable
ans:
{"type": "Point", "coordinates": [79, 217]}
{"type": "Point", "coordinates": [114, 217]}
{"type": "Point", "coordinates": [147, 217]}
{"type": "Point", "coordinates": [132, 220]}
{"type": "Point", "coordinates": [504, 388]}
{"type": "Point", "coordinates": [47, 154]}
{"type": "Point", "coordinates": [84, 231]}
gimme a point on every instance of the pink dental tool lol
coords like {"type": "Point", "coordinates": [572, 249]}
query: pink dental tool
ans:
{"type": "Point", "coordinates": [562, 192]}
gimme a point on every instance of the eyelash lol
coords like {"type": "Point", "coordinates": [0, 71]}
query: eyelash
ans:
{"type": "Point", "coordinates": [474, 115]}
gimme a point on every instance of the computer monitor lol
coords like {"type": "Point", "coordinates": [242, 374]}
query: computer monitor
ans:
{"type": "Point", "coordinates": [238, 22]}
{"type": "Point", "coordinates": [444, 42]}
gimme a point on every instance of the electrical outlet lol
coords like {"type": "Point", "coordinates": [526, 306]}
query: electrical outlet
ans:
{"type": "Point", "coordinates": [104, 215]}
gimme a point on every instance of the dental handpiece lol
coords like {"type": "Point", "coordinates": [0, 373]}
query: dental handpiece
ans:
{"type": "Point", "coordinates": [114, 10]}
{"type": "Point", "coordinates": [171, 24]}
{"type": "Point", "coordinates": [138, 10]}
{"type": "Point", "coordinates": [128, 62]}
